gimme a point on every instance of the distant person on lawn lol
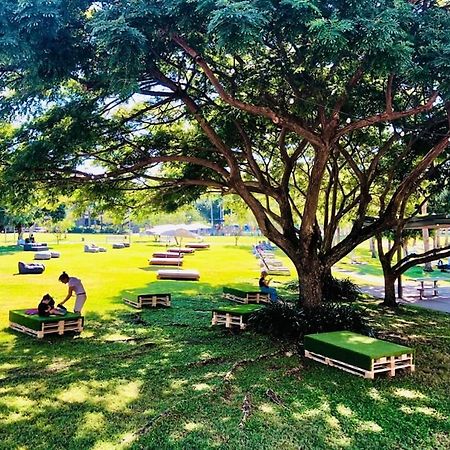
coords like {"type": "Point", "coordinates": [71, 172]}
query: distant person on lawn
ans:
{"type": "Point", "coordinates": [264, 287]}
{"type": "Point", "coordinates": [75, 286]}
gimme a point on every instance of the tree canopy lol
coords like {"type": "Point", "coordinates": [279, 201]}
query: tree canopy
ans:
{"type": "Point", "coordinates": [314, 112]}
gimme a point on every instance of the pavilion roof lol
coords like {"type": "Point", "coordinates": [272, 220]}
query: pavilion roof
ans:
{"type": "Point", "coordinates": [433, 221]}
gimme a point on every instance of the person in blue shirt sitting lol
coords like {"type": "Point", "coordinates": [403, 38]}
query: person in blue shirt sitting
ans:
{"type": "Point", "coordinates": [264, 287]}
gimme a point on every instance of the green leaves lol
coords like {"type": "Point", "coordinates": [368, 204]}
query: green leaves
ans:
{"type": "Point", "coordinates": [122, 47]}
{"type": "Point", "coordinates": [331, 33]}
{"type": "Point", "coordinates": [237, 25]}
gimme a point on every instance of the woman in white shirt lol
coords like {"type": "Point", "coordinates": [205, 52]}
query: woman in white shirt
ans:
{"type": "Point", "coordinates": [75, 286]}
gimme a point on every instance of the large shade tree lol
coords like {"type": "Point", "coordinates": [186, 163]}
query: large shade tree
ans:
{"type": "Point", "coordinates": [304, 108]}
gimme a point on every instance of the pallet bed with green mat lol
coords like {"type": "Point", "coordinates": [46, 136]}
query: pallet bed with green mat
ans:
{"type": "Point", "coordinates": [358, 354]}
{"type": "Point", "coordinates": [236, 315]}
{"type": "Point", "coordinates": [38, 326]}
{"type": "Point", "coordinates": [236, 295]}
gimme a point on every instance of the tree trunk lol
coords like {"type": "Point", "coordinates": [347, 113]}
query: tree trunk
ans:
{"type": "Point", "coordinates": [310, 275]}
{"type": "Point", "coordinates": [389, 291]}
{"type": "Point", "coordinates": [426, 247]}
{"type": "Point", "coordinates": [373, 248]}
{"type": "Point", "coordinates": [19, 231]}
{"type": "Point", "coordinates": [389, 276]}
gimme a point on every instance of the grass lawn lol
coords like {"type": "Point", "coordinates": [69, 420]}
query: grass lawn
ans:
{"type": "Point", "coordinates": [164, 379]}
{"type": "Point", "coordinates": [369, 272]}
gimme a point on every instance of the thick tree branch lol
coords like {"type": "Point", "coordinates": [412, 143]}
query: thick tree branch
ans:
{"type": "Point", "coordinates": [387, 117]}
{"type": "Point", "coordinates": [264, 111]}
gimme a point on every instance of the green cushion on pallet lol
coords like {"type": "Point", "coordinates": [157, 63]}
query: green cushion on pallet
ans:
{"type": "Point", "coordinates": [352, 348]}
{"type": "Point", "coordinates": [238, 309]}
{"type": "Point", "coordinates": [34, 321]}
{"type": "Point", "coordinates": [238, 292]}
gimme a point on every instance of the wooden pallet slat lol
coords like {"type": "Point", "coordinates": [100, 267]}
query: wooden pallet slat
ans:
{"type": "Point", "coordinates": [228, 319]}
{"type": "Point", "coordinates": [247, 297]}
{"type": "Point", "coordinates": [60, 327]}
{"type": "Point", "coordinates": [149, 300]}
{"type": "Point", "coordinates": [390, 364]}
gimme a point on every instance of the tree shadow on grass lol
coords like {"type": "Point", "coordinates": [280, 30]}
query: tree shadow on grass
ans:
{"type": "Point", "coordinates": [173, 381]}
{"type": "Point", "coordinates": [10, 249]}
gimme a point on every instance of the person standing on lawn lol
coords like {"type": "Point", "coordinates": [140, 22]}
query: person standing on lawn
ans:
{"type": "Point", "coordinates": [75, 286]}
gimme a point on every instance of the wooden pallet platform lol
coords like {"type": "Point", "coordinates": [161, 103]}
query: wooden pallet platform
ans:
{"type": "Point", "coordinates": [197, 245]}
{"type": "Point", "coordinates": [178, 274]}
{"type": "Point", "coordinates": [228, 319]}
{"type": "Point", "coordinates": [60, 327]}
{"type": "Point", "coordinates": [167, 255]}
{"type": "Point", "coordinates": [233, 316]}
{"type": "Point", "coordinates": [245, 297]}
{"type": "Point", "coordinates": [166, 262]}
{"type": "Point", "coordinates": [149, 300]}
{"type": "Point", "coordinates": [388, 364]}
{"type": "Point", "coordinates": [181, 250]}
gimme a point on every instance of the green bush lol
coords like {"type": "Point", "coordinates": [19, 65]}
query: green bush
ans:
{"type": "Point", "coordinates": [283, 320]}
{"type": "Point", "coordinates": [334, 290]}
{"type": "Point", "coordinates": [333, 317]}
{"type": "Point", "coordinates": [278, 319]}
{"type": "Point", "coordinates": [340, 290]}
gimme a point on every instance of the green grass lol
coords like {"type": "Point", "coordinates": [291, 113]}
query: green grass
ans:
{"type": "Point", "coordinates": [370, 269]}
{"type": "Point", "coordinates": [165, 379]}
{"type": "Point", "coordinates": [239, 309]}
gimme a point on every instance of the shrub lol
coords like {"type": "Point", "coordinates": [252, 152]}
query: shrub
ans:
{"type": "Point", "coordinates": [334, 290]}
{"type": "Point", "coordinates": [289, 321]}
{"type": "Point", "coordinates": [278, 319]}
{"type": "Point", "coordinates": [333, 317]}
{"type": "Point", "coordinates": [344, 290]}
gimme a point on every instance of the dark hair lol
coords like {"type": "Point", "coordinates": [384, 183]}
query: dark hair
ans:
{"type": "Point", "coordinates": [63, 277]}
{"type": "Point", "coordinates": [47, 297]}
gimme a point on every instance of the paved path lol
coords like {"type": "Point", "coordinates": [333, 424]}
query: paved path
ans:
{"type": "Point", "coordinates": [411, 297]}
{"type": "Point", "coordinates": [373, 286]}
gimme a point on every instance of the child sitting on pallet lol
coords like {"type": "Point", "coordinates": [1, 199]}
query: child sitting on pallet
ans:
{"type": "Point", "coordinates": [47, 307]}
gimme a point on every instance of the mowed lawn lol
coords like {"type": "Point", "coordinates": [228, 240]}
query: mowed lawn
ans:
{"type": "Point", "coordinates": [165, 379]}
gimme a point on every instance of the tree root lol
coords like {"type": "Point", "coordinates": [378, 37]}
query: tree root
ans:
{"type": "Point", "coordinates": [243, 362]}
{"type": "Point", "coordinates": [226, 381]}
{"type": "Point", "coordinates": [205, 362]}
{"type": "Point", "coordinates": [274, 397]}
{"type": "Point", "coordinates": [246, 409]}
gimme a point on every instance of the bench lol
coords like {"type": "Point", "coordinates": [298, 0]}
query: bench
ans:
{"type": "Point", "coordinates": [174, 274]}
{"type": "Point", "coordinates": [167, 255]}
{"type": "Point", "coordinates": [358, 354]}
{"type": "Point", "coordinates": [180, 250]}
{"type": "Point", "coordinates": [424, 287]}
{"type": "Point", "coordinates": [149, 300]}
{"type": "Point", "coordinates": [166, 261]}
{"type": "Point", "coordinates": [197, 245]}
{"type": "Point", "coordinates": [37, 326]}
{"type": "Point", "coordinates": [275, 270]}
{"type": "Point", "coordinates": [239, 296]}
{"type": "Point", "coordinates": [233, 316]}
